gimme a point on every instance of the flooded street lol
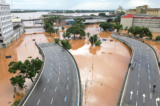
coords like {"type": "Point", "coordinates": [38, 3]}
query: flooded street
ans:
{"type": "Point", "coordinates": [102, 68]}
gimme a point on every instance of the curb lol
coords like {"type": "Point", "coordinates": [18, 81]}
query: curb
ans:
{"type": "Point", "coordinates": [30, 89]}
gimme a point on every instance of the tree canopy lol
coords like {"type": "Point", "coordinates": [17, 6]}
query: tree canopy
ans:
{"type": "Point", "coordinates": [76, 30]}
{"type": "Point", "coordinates": [50, 30]}
{"type": "Point", "coordinates": [105, 26]}
{"type": "Point", "coordinates": [158, 38]}
{"type": "Point", "coordinates": [102, 14]}
{"type": "Point", "coordinates": [93, 39]}
{"type": "Point", "coordinates": [66, 44]}
{"type": "Point", "coordinates": [118, 26]}
{"type": "Point", "coordinates": [28, 69]}
{"type": "Point", "coordinates": [79, 23]}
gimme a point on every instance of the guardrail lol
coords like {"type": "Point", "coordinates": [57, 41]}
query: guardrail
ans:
{"type": "Point", "coordinates": [30, 89]}
{"type": "Point", "coordinates": [79, 78]}
{"type": "Point", "coordinates": [127, 73]}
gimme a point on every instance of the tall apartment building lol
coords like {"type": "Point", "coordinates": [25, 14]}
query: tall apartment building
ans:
{"type": "Point", "coordinates": [141, 20]}
{"type": "Point", "coordinates": [144, 10]}
{"type": "Point", "coordinates": [6, 27]}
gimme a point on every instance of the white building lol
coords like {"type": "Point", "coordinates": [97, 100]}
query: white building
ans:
{"type": "Point", "coordinates": [7, 34]}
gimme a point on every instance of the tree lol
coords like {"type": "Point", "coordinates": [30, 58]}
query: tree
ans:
{"type": "Point", "coordinates": [79, 23]}
{"type": "Point", "coordinates": [50, 30]}
{"type": "Point", "coordinates": [46, 25]}
{"type": "Point", "coordinates": [88, 34]}
{"type": "Point", "coordinates": [102, 14]}
{"type": "Point", "coordinates": [76, 30]}
{"type": "Point", "coordinates": [126, 28]}
{"type": "Point", "coordinates": [92, 15]}
{"type": "Point", "coordinates": [105, 26]}
{"type": "Point", "coordinates": [149, 34]}
{"type": "Point", "coordinates": [28, 69]}
{"type": "Point", "coordinates": [64, 35]}
{"type": "Point", "coordinates": [51, 20]}
{"type": "Point", "coordinates": [158, 38]}
{"type": "Point", "coordinates": [98, 43]}
{"type": "Point", "coordinates": [66, 44]}
{"type": "Point", "coordinates": [93, 39]}
{"type": "Point", "coordinates": [63, 28]}
{"type": "Point", "coordinates": [118, 26]}
{"type": "Point", "coordinates": [68, 35]}
{"type": "Point", "coordinates": [134, 30]}
{"type": "Point", "coordinates": [56, 40]}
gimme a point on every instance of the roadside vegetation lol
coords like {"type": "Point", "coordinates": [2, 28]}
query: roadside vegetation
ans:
{"type": "Point", "coordinates": [27, 69]}
{"type": "Point", "coordinates": [16, 102]}
{"type": "Point", "coordinates": [158, 38]}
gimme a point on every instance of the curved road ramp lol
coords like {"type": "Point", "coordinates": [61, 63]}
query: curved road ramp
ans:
{"type": "Point", "coordinates": [138, 87]}
{"type": "Point", "coordinates": [58, 84]}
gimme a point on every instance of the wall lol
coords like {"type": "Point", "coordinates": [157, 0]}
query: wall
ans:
{"type": "Point", "coordinates": [126, 22]}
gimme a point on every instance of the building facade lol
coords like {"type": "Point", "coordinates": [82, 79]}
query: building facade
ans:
{"type": "Point", "coordinates": [120, 9]}
{"type": "Point", "coordinates": [144, 10]}
{"type": "Point", "coordinates": [151, 22]}
{"type": "Point", "coordinates": [7, 34]}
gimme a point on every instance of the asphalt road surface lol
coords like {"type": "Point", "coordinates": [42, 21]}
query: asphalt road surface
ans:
{"type": "Point", "coordinates": [57, 85]}
{"type": "Point", "coordinates": [145, 73]}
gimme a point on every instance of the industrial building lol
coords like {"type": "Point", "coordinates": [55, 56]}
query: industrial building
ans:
{"type": "Point", "coordinates": [144, 10]}
{"type": "Point", "coordinates": [141, 20]}
{"type": "Point", "coordinates": [8, 32]}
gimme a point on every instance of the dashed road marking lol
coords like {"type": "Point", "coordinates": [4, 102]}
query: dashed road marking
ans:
{"type": "Point", "coordinates": [138, 83]}
{"type": "Point", "coordinates": [68, 78]}
{"type": "Point", "coordinates": [150, 96]}
{"type": "Point", "coordinates": [58, 80]}
{"type": "Point", "coordinates": [137, 92]}
{"type": "Point", "coordinates": [44, 89]}
{"type": "Point", "coordinates": [150, 85]}
{"type": "Point", "coordinates": [65, 99]}
{"type": "Point", "coordinates": [149, 77]}
{"type": "Point", "coordinates": [55, 89]}
{"type": "Point", "coordinates": [38, 101]}
{"type": "Point", "coordinates": [48, 81]}
{"type": "Point", "coordinates": [51, 101]}
{"type": "Point", "coordinates": [67, 87]}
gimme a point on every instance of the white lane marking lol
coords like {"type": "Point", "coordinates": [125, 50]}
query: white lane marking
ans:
{"type": "Point", "coordinates": [67, 87]}
{"type": "Point", "coordinates": [59, 67]}
{"type": "Point", "coordinates": [150, 96]}
{"type": "Point", "coordinates": [38, 101]}
{"type": "Point", "coordinates": [65, 99]}
{"type": "Point", "coordinates": [48, 81]}
{"type": "Point", "coordinates": [59, 72]}
{"type": "Point", "coordinates": [44, 89]}
{"type": "Point", "coordinates": [149, 77]}
{"type": "Point", "coordinates": [138, 75]}
{"type": "Point", "coordinates": [58, 80]}
{"type": "Point", "coordinates": [150, 85]}
{"type": "Point", "coordinates": [50, 73]}
{"type": "Point", "coordinates": [138, 83]}
{"type": "Point", "coordinates": [51, 101]}
{"type": "Point", "coordinates": [55, 89]}
{"type": "Point", "coordinates": [139, 69]}
{"type": "Point", "coordinates": [131, 94]}
{"type": "Point", "coordinates": [68, 78]}
{"type": "Point", "coordinates": [137, 92]}
{"type": "Point", "coordinates": [139, 64]}
{"type": "Point", "coordinates": [148, 71]}
{"type": "Point", "coordinates": [136, 103]}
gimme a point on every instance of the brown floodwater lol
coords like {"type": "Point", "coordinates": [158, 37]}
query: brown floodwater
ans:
{"type": "Point", "coordinates": [102, 68]}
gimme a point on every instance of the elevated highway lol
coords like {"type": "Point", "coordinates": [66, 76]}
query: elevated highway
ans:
{"type": "Point", "coordinates": [138, 86]}
{"type": "Point", "coordinates": [58, 84]}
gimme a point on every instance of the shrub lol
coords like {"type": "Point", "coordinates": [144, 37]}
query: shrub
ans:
{"type": "Point", "coordinates": [66, 44]}
{"type": "Point", "coordinates": [63, 28]}
{"type": "Point", "coordinates": [16, 102]}
{"type": "Point", "coordinates": [93, 39]}
{"type": "Point", "coordinates": [158, 38]}
{"type": "Point", "coordinates": [56, 40]}
{"type": "Point", "coordinates": [98, 43]}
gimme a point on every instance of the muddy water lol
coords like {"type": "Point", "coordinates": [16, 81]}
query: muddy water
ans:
{"type": "Point", "coordinates": [19, 50]}
{"type": "Point", "coordinates": [102, 68]}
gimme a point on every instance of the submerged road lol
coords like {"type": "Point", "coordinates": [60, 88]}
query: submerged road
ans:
{"type": "Point", "coordinates": [138, 89]}
{"type": "Point", "coordinates": [58, 84]}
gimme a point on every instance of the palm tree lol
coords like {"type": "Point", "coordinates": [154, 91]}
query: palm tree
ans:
{"type": "Point", "coordinates": [50, 30]}
{"type": "Point", "coordinates": [88, 34]}
{"type": "Point", "coordinates": [64, 35]}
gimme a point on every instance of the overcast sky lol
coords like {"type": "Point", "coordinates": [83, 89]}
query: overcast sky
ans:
{"type": "Point", "coordinates": [81, 4]}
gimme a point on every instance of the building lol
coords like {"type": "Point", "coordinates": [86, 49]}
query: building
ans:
{"type": "Point", "coordinates": [120, 9]}
{"type": "Point", "coordinates": [18, 28]}
{"type": "Point", "coordinates": [16, 19]}
{"type": "Point", "coordinates": [7, 34]}
{"type": "Point", "coordinates": [144, 10]}
{"type": "Point", "coordinates": [141, 20]}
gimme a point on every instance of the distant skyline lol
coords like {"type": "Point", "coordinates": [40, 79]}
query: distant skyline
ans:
{"type": "Point", "coordinates": [81, 4]}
